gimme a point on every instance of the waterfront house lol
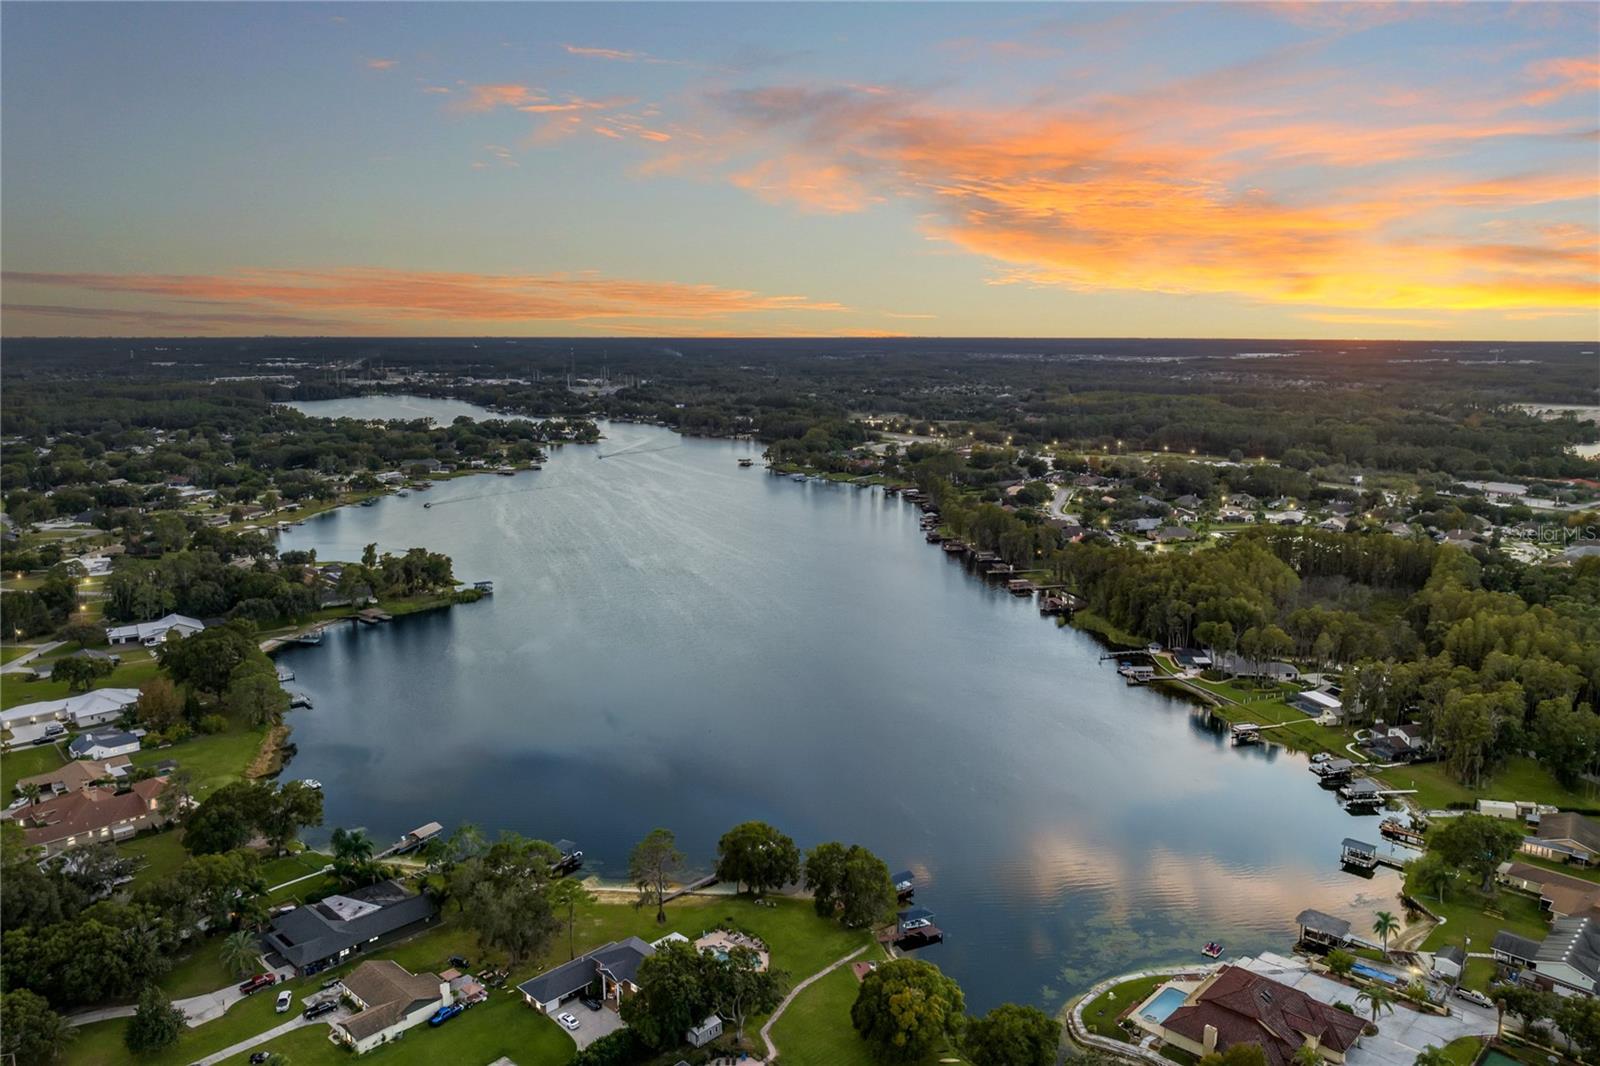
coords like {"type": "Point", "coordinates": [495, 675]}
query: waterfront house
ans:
{"type": "Point", "coordinates": [76, 776]}
{"type": "Point", "coordinates": [103, 744]}
{"type": "Point", "coordinates": [318, 935]}
{"type": "Point", "coordinates": [391, 999]}
{"type": "Point", "coordinates": [1317, 703]}
{"type": "Point", "coordinates": [1565, 837]}
{"type": "Point", "coordinates": [1235, 1006]}
{"type": "Point", "coordinates": [91, 814]}
{"type": "Point", "coordinates": [614, 967]}
{"type": "Point", "coordinates": [1561, 895]}
{"type": "Point", "coordinates": [151, 634]}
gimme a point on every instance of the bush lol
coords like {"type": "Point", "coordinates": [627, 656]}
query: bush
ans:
{"type": "Point", "coordinates": [621, 1048]}
{"type": "Point", "coordinates": [213, 723]}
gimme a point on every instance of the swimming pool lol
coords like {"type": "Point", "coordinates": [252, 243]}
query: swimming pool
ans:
{"type": "Point", "coordinates": [1169, 1000]}
{"type": "Point", "coordinates": [1376, 974]}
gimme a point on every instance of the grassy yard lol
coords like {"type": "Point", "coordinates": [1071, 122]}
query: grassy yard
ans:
{"type": "Point", "coordinates": [816, 1029]}
{"type": "Point", "coordinates": [1464, 1052]}
{"type": "Point", "coordinates": [198, 972]}
{"type": "Point", "coordinates": [1093, 623]}
{"type": "Point", "coordinates": [211, 760]}
{"type": "Point", "coordinates": [1100, 1017]}
{"type": "Point", "coordinates": [128, 675]}
{"type": "Point", "coordinates": [13, 651]}
{"type": "Point", "coordinates": [1520, 778]}
{"type": "Point", "coordinates": [1467, 913]}
{"type": "Point", "coordinates": [162, 854]}
{"type": "Point", "coordinates": [25, 762]}
{"type": "Point", "coordinates": [801, 944]}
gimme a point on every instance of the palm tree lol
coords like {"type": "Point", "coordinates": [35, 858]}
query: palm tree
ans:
{"type": "Point", "coordinates": [1386, 926]}
{"type": "Point", "coordinates": [30, 792]}
{"type": "Point", "coordinates": [351, 845]}
{"type": "Point", "coordinates": [568, 893]}
{"type": "Point", "coordinates": [240, 952]}
{"type": "Point", "coordinates": [1378, 1000]}
{"type": "Point", "coordinates": [1432, 1056]}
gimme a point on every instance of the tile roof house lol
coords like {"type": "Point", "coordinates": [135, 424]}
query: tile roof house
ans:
{"type": "Point", "coordinates": [324, 933]}
{"type": "Point", "coordinates": [76, 776]}
{"type": "Point", "coordinates": [1565, 837]}
{"type": "Point", "coordinates": [1235, 1006]}
{"type": "Point", "coordinates": [392, 1000]}
{"type": "Point", "coordinates": [615, 966]}
{"type": "Point", "coordinates": [91, 814]}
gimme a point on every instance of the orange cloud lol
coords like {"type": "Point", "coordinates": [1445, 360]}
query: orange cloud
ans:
{"type": "Point", "coordinates": [381, 64]}
{"type": "Point", "coordinates": [489, 97]}
{"type": "Point", "coordinates": [1566, 76]}
{"type": "Point", "coordinates": [602, 53]}
{"type": "Point", "coordinates": [1152, 198]}
{"type": "Point", "coordinates": [386, 294]}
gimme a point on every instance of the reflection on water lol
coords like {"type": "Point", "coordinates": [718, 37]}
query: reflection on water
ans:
{"type": "Point", "coordinates": [677, 641]}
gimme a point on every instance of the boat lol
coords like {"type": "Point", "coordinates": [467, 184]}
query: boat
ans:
{"type": "Point", "coordinates": [403, 493]}
{"type": "Point", "coordinates": [1212, 950]}
{"type": "Point", "coordinates": [747, 462]}
{"type": "Point", "coordinates": [428, 504]}
{"type": "Point", "coordinates": [369, 501]}
{"type": "Point", "coordinates": [311, 782]}
{"type": "Point", "coordinates": [797, 477]}
{"type": "Point", "coordinates": [571, 857]}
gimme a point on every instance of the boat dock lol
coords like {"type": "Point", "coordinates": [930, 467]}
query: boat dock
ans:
{"type": "Point", "coordinates": [412, 840]}
{"type": "Point", "coordinates": [371, 616]}
{"type": "Point", "coordinates": [299, 699]}
{"type": "Point", "coordinates": [1358, 854]}
{"type": "Point", "coordinates": [1405, 834]}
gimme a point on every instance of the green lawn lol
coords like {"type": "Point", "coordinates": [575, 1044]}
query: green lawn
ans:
{"type": "Point", "coordinates": [212, 760]}
{"type": "Point", "coordinates": [1464, 1052]}
{"type": "Point", "coordinates": [801, 944]}
{"type": "Point", "coordinates": [128, 675]}
{"type": "Point", "coordinates": [25, 762]}
{"type": "Point", "coordinates": [816, 1029]}
{"type": "Point", "coordinates": [1093, 623]}
{"type": "Point", "coordinates": [199, 972]}
{"type": "Point", "coordinates": [1521, 778]}
{"type": "Point", "coordinates": [1467, 913]}
{"type": "Point", "coordinates": [1100, 1017]}
{"type": "Point", "coordinates": [288, 867]}
{"type": "Point", "coordinates": [162, 852]}
{"type": "Point", "coordinates": [13, 651]}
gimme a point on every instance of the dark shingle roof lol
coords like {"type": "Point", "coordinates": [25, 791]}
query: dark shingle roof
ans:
{"type": "Point", "coordinates": [315, 932]}
{"type": "Point", "coordinates": [1517, 947]}
{"type": "Point", "coordinates": [620, 958]}
{"type": "Point", "coordinates": [1323, 923]}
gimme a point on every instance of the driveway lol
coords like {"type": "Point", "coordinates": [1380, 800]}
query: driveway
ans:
{"type": "Point", "coordinates": [296, 1021]}
{"type": "Point", "coordinates": [20, 663]}
{"type": "Point", "coordinates": [592, 1024]}
{"type": "Point", "coordinates": [1401, 1035]}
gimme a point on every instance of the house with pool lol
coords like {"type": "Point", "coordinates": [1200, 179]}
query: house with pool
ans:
{"type": "Point", "coordinates": [1233, 1005]}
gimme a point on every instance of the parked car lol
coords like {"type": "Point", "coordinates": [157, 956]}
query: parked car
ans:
{"type": "Point", "coordinates": [331, 982]}
{"type": "Point", "coordinates": [1472, 995]}
{"type": "Point", "coordinates": [258, 982]}
{"type": "Point", "coordinates": [592, 1003]}
{"type": "Point", "coordinates": [285, 1001]}
{"type": "Point", "coordinates": [459, 962]}
{"type": "Point", "coordinates": [444, 1014]}
{"type": "Point", "coordinates": [569, 1021]}
{"type": "Point", "coordinates": [317, 1010]}
{"type": "Point", "coordinates": [260, 1057]}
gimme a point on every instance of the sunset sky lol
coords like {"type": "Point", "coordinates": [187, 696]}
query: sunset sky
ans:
{"type": "Point", "coordinates": [1303, 170]}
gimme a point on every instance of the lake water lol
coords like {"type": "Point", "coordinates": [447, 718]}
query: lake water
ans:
{"type": "Point", "coordinates": [677, 641]}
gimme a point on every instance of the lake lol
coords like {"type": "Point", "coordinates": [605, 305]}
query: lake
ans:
{"type": "Point", "coordinates": [677, 641]}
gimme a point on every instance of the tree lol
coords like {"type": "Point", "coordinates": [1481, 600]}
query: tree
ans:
{"type": "Point", "coordinates": [651, 866]}
{"type": "Point", "coordinates": [906, 1009]}
{"type": "Point", "coordinates": [207, 660]}
{"type": "Point", "coordinates": [1433, 1055]}
{"type": "Point", "coordinates": [29, 1030]}
{"type": "Point", "coordinates": [852, 882]}
{"type": "Point", "coordinates": [567, 894]}
{"type": "Point", "coordinates": [288, 809]}
{"type": "Point", "coordinates": [227, 819]}
{"type": "Point", "coordinates": [241, 952]}
{"type": "Point", "coordinates": [757, 855]}
{"type": "Point", "coordinates": [674, 994]}
{"type": "Point", "coordinates": [1385, 926]}
{"type": "Point", "coordinates": [83, 634]}
{"type": "Point", "coordinates": [1476, 844]}
{"type": "Point", "coordinates": [1341, 962]}
{"type": "Point", "coordinates": [254, 693]}
{"type": "Point", "coordinates": [1378, 1000]}
{"type": "Point", "coordinates": [1578, 1018]}
{"type": "Point", "coordinates": [502, 895]}
{"type": "Point", "coordinates": [30, 792]}
{"type": "Point", "coordinates": [1306, 1055]}
{"type": "Point", "coordinates": [79, 672]}
{"type": "Point", "coordinates": [1012, 1035]}
{"type": "Point", "coordinates": [1431, 873]}
{"type": "Point", "coordinates": [739, 987]}
{"type": "Point", "coordinates": [156, 1024]}
{"type": "Point", "coordinates": [159, 707]}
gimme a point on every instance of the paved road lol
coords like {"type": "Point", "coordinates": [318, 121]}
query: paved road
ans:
{"type": "Point", "coordinates": [20, 663]}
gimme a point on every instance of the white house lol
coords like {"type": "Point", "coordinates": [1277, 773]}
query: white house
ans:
{"type": "Point", "coordinates": [392, 999]}
{"type": "Point", "coordinates": [104, 744]}
{"type": "Point", "coordinates": [1317, 703]}
{"type": "Point", "coordinates": [151, 634]}
{"type": "Point", "coordinates": [93, 708]}
{"type": "Point", "coordinates": [705, 1032]}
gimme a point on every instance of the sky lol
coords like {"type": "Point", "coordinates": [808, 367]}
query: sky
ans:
{"type": "Point", "coordinates": [1262, 170]}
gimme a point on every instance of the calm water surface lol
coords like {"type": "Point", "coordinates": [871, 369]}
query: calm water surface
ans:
{"type": "Point", "coordinates": [676, 641]}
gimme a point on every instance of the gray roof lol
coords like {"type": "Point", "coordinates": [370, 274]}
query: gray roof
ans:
{"type": "Point", "coordinates": [1576, 942]}
{"type": "Point", "coordinates": [1517, 947]}
{"type": "Point", "coordinates": [1453, 952]}
{"type": "Point", "coordinates": [1319, 922]}
{"type": "Point", "coordinates": [315, 931]}
{"type": "Point", "coordinates": [111, 738]}
{"type": "Point", "coordinates": [1352, 844]}
{"type": "Point", "coordinates": [620, 958]}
